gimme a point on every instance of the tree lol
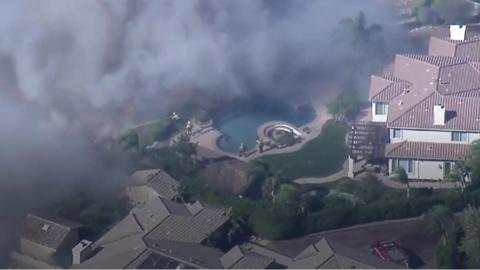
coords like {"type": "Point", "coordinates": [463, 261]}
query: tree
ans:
{"type": "Point", "coordinates": [129, 140]}
{"type": "Point", "coordinates": [442, 219]}
{"type": "Point", "coordinates": [447, 255]}
{"type": "Point", "coordinates": [369, 190]}
{"type": "Point", "coordinates": [363, 45]}
{"type": "Point", "coordinates": [470, 243]}
{"type": "Point", "coordinates": [346, 105]}
{"type": "Point", "coordinates": [401, 176]}
{"type": "Point", "coordinates": [275, 222]}
{"type": "Point", "coordinates": [290, 195]}
{"type": "Point", "coordinates": [442, 11]}
{"type": "Point", "coordinates": [473, 161]}
{"type": "Point", "coordinates": [453, 11]}
{"type": "Point", "coordinates": [239, 227]}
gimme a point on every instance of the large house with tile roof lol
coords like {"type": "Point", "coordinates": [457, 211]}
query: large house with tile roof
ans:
{"type": "Point", "coordinates": [431, 104]}
{"type": "Point", "coordinates": [161, 230]}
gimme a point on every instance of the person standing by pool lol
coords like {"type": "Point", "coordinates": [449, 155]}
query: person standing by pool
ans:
{"type": "Point", "coordinates": [189, 128]}
{"type": "Point", "coordinates": [242, 150]}
{"type": "Point", "coordinates": [260, 145]}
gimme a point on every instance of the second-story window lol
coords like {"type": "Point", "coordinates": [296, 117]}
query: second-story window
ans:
{"type": "Point", "coordinates": [381, 108]}
{"type": "Point", "coordinates": [397, 133]}
{"type": "Point", "coordinates": [459, 136]}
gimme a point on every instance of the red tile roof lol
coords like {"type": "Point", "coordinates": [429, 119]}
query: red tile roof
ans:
{"type": "Point", "coordinates": [385, 88]}
{"type": "Point", "coordinates": [439, 60]}
{"type": "Point", "coordinates": [428, 80]}
{"type": "Point", "coordinates": [458, 78]}
{"type": "Point", "coordinates": [462, 114]}
{"type": "Point", "coordinates": [427, 151]}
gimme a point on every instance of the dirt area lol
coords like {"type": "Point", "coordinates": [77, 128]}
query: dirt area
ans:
{"type": "Point", "coordinates": [412, 234]}
{"type": "Point", "coordinates": [228, 176]}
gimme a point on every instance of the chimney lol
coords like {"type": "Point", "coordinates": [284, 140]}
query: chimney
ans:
{"type": "Point", "coordinates": [457, 32]}
{"type": "Point", "coordinates": [82, 251]}
{"type": "Point", "coordinates": [439, 115]}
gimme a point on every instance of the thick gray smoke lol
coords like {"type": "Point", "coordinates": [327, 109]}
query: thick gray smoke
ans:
{"type": "Point", "coordinates": [72, 70]}
{"type": "Point", "coordinates": [79, 56]}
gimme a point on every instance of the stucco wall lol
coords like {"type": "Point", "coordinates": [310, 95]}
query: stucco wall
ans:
{"type": "Point", "coordinates": [424, 169]}
{"type": "Point", "coordinates": [36, 251]}
{"type": "Point", "coordinates": [430, 136]}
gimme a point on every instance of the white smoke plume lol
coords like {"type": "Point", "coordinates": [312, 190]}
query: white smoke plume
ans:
{"type": "Point", "coordinates": [73, 69]}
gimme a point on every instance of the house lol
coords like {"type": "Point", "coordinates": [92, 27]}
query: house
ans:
{"type": "Point", "coordinates": [47, 240]}
{"type": "Point", "coordinates": [145, 185]}
{"type": "Point", "coordinates": [326, 254]}
{"type": "Point", "coordinates": [161, 232]}
{"type": "Point", "coordinates": [431, 104]}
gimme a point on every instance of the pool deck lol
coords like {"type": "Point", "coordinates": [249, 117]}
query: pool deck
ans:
{"type": "Point", "coordinates": [207, 141]}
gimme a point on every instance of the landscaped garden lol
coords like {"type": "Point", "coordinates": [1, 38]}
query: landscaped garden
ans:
{"type": "Point", "coordinates": [321, 156]}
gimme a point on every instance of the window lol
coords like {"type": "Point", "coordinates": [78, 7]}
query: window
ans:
{"type": "Point", "coordinates": [406, 164]}
{"type": "Point", "coordinates": [381, 108]}
{"type": "Point", "coordinates": [459, 136]}
{"type": "Point", "coordinates": [397, 133]}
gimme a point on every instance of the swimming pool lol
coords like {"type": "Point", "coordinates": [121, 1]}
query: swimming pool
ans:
{"type": "Point", "coordinates": [243, 127]}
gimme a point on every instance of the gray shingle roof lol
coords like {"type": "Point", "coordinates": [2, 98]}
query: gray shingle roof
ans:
{"type": "Point", "coordinates": [428, 151]}
{"type": "Point", "coordinates": [160, 224]}
{"type": "Point", "coordinates": [158, 180]}
{"type": "Point", "coordinates": [193, 229]}
{"type": "Point", "coordinates": [329, 254]}
{"type": "Point", "coordinates": [150, 215]}
{"type": "Point", "coordinates": [239, 258]}
{"type": "Point", "coordinates": [117, 254]}
{"type": "Point", "coordinates": [190, 253]}
{"type": "Point", "coordinates": [47, 232]}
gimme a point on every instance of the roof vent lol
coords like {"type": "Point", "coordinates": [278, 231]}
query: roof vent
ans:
{"type": "Point", "coordinates": [457, 32]}
{"type": "Point", "coordinates": [45, 227]}
{"type": "Point", "coordinates": [439, 114]}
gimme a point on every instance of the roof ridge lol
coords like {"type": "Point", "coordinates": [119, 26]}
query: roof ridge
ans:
{"type": "Point", "coordinates": [52, 221]}
{"type": "Point", "coordinates": [472, 66]}
{"type": "Point", "coordinates": [411, 108]}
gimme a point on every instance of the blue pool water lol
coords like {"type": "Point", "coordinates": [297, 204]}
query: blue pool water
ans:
{"type": "Point", "coordinates": [243, 127]}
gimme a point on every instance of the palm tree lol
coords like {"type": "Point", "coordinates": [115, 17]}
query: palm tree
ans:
{"type": "Point", "coordinates": [401, 176]}
{"type": "Point", "coordinates": [442, 218]}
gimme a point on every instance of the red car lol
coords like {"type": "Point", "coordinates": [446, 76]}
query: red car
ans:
{"type": "Point", "coordinates": [390, 251]}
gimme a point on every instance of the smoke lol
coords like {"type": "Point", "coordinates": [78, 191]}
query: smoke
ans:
{"type": "Point", "coordinates": [71, 71]}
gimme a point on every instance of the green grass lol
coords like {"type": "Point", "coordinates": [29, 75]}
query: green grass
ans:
{"type": "Point", "coordinates": [321, 156]}
{"type": "Point", "coordinates": [157, 131]}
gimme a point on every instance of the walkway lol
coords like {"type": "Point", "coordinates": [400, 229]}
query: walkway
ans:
{"type": "Point", "coordinates": [384, 179]}
{"type": "Point", "coordinates": [342, 173]}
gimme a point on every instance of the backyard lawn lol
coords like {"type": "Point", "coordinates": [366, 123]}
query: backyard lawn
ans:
{"type": "Point", "coordinates": [321, 156]}
{"type": "Point", "coordinates": [156, 131]}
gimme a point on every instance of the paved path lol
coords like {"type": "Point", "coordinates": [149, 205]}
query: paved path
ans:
{"type": "Point", "coordinates": [384, 179]}
{"type": "Point", "coordinates": [342, 173]}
